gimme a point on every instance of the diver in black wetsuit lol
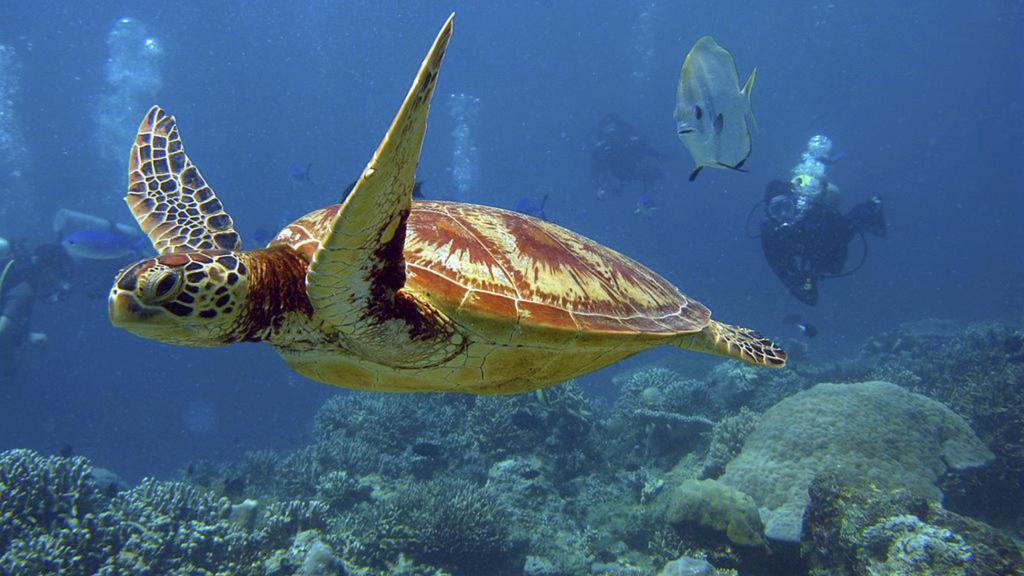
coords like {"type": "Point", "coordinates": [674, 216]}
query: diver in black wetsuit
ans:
{"type": "Point", "coordinates": [806, 239]}
{"type": "Point", "coordinates": [618, 155]}
{"type": "Point", "coordinates": [25, 277]}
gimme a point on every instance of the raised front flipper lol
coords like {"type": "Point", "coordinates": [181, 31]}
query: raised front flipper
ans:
{"type": "Point", "coordinates": [356, 274]}
{"type": "Point", "coordinates": [171, 201]}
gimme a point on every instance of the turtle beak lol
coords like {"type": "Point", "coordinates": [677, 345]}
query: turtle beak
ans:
{"type": "Point", "coordinates": [125, 311]}
{"type": "Point", "coordinates": [150, 322]}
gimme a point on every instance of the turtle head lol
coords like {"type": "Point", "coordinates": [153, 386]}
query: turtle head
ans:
{"type": "Point", "coordinates": [190, 299]}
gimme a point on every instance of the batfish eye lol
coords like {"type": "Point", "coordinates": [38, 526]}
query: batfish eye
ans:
{"type": "Point", "coordinates": [162, 286]}
{"type": "Point", "coordinates": [698, 112]}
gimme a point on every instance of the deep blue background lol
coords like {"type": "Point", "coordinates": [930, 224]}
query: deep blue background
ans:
{"type": "Point", "coordinates": [922, 97]}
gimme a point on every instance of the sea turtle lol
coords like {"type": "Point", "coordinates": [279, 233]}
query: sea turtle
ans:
{"type": "Point", "coordinates": [384, 293]}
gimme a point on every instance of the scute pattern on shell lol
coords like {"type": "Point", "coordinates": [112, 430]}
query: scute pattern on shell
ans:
{"type": "Point", "coordinates": [521, 269]}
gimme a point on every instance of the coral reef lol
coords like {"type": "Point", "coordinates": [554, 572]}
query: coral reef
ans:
{"type": "Point", "coordinates": [56, 521]}
{"type": "Point", "coordinates": [673, 477]}
{"type": "Point", "coordinates": [855, 528]}
{"type": "Point", "coordinates": [686, 566]}
{"type": "Point", "coordinates": [727, 438]}
{"type": "Point", "coordinates": [448, 523]}
{"type": "Point", "coordinates": [713, 505]}
{"type": "Point", "coordinates": [872, 430]}
{"type": "Point", "coordinates": [976, 370]}
{"type": "Point", "coordinates": [653, 421]}
{"type": "Point", "coordinates": [734, 385]}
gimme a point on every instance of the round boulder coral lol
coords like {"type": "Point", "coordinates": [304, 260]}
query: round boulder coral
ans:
{"type": "Point", "coordinates": [874, 431]}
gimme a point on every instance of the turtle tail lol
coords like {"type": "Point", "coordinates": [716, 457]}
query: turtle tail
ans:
{"type": "Point", "coordinates": [734, 342]}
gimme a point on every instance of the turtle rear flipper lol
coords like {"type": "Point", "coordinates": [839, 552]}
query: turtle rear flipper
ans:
{"type": "Point", "coordinates": [170, 199]}
{"type": "Point", "coordinates": [734, 342]}
{"type": "Point", "coordinates": [355, 275]}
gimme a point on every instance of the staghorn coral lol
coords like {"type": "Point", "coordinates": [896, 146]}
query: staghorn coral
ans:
{"type": "Point", "coordinates": [57, 522]}
{"type": "Point", "coordinates": [657, 417]}
{"type": "Point", "coordinates": [447, 523]}
{"type": "Point", "coordinates": [727, 437]}
{"type": "Point", "coordinates": [733, 385]}
{"type": "Point", "coordinates": [259, 472]}
{"type": "Point", "coordinates": [283, 520]}
{"type": "Point", "coordinates": [339, 490]}
{"type": "Point", "coordinates": [161, 527]}
{"type": "Point", "coordinates": [43, 493]}
{"type": "Point", "coordinates": [391, 423]}
{"type": "Point", "coordinates": [554, 417]}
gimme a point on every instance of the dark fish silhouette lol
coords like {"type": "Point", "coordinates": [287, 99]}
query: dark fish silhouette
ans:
{"type": "Point", "coordinates": [531, 207]}
{"type": "Point", "coordinates": [301, 173]}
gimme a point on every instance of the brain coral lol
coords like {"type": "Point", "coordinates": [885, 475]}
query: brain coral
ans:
{"type": "Point", "coordinates": [873, 431]}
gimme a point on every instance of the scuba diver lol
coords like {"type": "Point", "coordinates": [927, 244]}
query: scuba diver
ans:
{"type": "Point", "coordinates": [26, 276]}
{"type": "Point", "coordinates": [618, 156]}
{"type": "Point", "coordinates": [804, 236]}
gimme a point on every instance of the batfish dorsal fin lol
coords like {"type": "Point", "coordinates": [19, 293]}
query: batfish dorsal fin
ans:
{"type": "Point", "coordinates": [748, 89]}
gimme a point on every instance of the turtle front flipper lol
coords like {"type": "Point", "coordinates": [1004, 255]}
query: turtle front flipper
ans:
{"type": "Point", "coordinates": [735, 342]}
{"type": "Point", "coordinates": [356, 274]}
{"type": "Point", "coordinates": [171, 201]}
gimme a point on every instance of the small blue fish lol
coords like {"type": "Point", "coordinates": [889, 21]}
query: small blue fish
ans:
{"type": "Point", "coordinates": [531, 207]}
{"type": "Point", "coordinates": [806, 328]}
{"type": "Point", "coordinates": [301, 173]}
{"type": "Point", "coordinates": [262, 236]}
{"type": "Point", "coordinates": [645, 206]}
{"type": "Point", "coordinates": [102, 245]}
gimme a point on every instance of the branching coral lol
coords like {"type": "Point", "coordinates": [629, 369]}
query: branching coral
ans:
{"type": "Point", "coordinates": [41, 493]}
{"type": "Point", "coordinates": [450, 523]}
{"type": "Point", "coordinates": [727, 437]}
{"type": "Point", "coordinates": [657, 417]}
{"type": "Point", "coordinates": [55, 521]}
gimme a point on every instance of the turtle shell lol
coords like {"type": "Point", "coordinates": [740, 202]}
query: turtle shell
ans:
{"type": "Point", "coordinates": [514, 278]}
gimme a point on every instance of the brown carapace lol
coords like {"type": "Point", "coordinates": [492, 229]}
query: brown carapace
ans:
{"type": "Point", "coordinates": [383, 293]}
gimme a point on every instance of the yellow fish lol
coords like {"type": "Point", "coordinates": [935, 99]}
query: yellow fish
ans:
{"type": "Point", "coordinates": [711, 109]}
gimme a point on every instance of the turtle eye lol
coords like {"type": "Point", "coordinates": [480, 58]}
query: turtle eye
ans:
{"type": "Point", "coordinates": [162, 286]}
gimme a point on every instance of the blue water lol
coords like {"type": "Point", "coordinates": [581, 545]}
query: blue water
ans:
{"type": "Point", "coordinates": [923, 98]}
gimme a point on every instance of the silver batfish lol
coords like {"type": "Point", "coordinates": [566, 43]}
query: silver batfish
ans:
{"type": "Point", "coordinates": [711, 109]}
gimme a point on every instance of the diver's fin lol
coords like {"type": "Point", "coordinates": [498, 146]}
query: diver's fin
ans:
{"type": "Point", "coordinates": [734, 342]}
{"type": "Point", "coordinates": [3, 274]}
{"type": "Point", "coordinates": [748, 88]}
{"type": "Point", "coordinates": [696, 171]}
